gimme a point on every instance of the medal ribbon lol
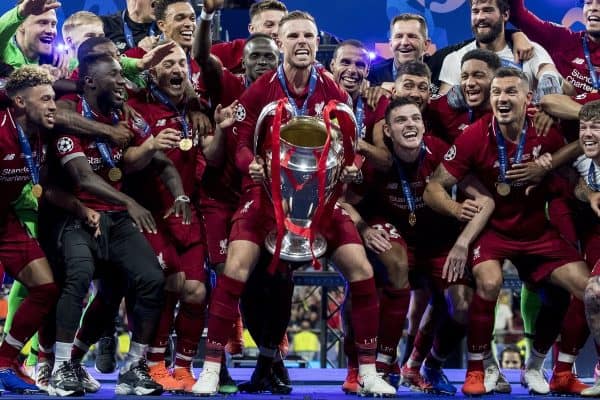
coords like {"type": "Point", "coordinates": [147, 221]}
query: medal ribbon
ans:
{"type": "Point", "coordinates": [129, 34]}
{"type": "Point", "coordinates": [510, 63]}
{"type": "Point", "coordinates": [592, 178]}
{"type": "Point", "coordinates": [34, 167]}
{"type": "Point", "coordinates": [312, 84]}
{"type": "Point", "coordinates": [588, 60]}
{"type": "Point", "coordinates": [103, 148]}
{"type": "Point", "coordinates": [502, 156]}
{"type": "Point", "coordinates": [160, 96]}
{"type": "Point", "coordinates": [360, 116]}
{"type": "Point", "coordinates": [406, 190]}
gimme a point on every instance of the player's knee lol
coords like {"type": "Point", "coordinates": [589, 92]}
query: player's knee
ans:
{"type": "Point", "coordinates": [194, 292]}
{"type": "Point", "coordinates": [150, 286]}
{"type": "Point", "coordinates": [489, 286]}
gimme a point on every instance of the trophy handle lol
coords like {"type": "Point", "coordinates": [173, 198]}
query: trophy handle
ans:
{"type": "Point", "coordinates": [349, 136]}
{"type": "Point", "coordinates": [268, 110]}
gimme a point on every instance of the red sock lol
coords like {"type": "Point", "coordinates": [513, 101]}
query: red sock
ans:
{"type": "Point", "coordinates": [351, 353]}
{"type": "Point", "coordinates": [393, 308]}
{"type": "Point", "coordinates": [158, 346]}
{"type": "Point", "coordinates": [421, 347]}
{"type": "Point", "coordinates": [189, 325]}
{"type": "Point", "coordinates": [30, 316]}
{"type": "Point", "coordinates": [222, 313]}
{"type": "Point", "coordinates": [235, 344]}
{"type": "Point", "coordinates": [365, 319]}
{"type": "Point", "coordinates": [479, 330]}
{"type": "Point", "coordinates": [573, 335]}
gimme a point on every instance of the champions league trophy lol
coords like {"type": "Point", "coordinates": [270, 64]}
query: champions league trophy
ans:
{"type": "Point", "coordinates": [302, 180]}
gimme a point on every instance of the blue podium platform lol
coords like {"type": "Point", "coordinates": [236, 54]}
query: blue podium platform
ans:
{"type": "Point", "coordinates": [309, 384]}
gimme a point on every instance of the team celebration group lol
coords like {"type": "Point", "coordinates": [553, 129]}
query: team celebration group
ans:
{"type": "Point", "coordinates": [128, 167]}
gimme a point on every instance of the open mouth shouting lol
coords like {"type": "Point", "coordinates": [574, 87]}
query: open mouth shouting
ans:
{"type": "Point", "coordinates": [176, 82]}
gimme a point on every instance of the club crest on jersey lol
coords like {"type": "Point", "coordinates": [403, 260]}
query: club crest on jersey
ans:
{"type": "Point", "coordinates": [535, 152]}
{"type": "Point", "coordinates": [223, 246]}
{"type": "Point", "coordinates": [64, 145]}
{"type": "Point", "coordinates": [450, 154]}
{"type": "Point", "coordinates": [161, 261]}
{"type": "Point", "coordinates": [319, 108]}
{"type": "Point", "coordinates": [476, 253]}
{"type": "Point", "coordinates": [240, 113]}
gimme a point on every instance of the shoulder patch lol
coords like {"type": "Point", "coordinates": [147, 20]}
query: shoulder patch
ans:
{"type": "Point", "coordinates": [240, 113]}
{"type": "Point", "coordinates": [64, 145]}
{"type": "Point", "coordinates": [450, 154]}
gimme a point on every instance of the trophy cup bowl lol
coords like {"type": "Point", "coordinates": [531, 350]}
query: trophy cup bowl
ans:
{"type": "Point", "coordinates": [301, 146]}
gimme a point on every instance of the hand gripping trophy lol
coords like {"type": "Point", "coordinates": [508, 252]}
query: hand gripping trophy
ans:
{"type": "Point", "coordinates": [304, 180]}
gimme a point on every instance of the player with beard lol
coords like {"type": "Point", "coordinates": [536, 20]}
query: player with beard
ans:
{"type": "Point", "coordinates": [176, 21]}
{"type": "Point", "coordinates": [218, 201]}
{"type": "Point", "coordinates": [576, 54]}
{"type": "Point", "coordinates": [264, 18]}
{"type": "Point", "coordinates": [179, 242]}
{"type": "Point", "coordinates": [486, 150]}
{"type": "Point", "coordinates": [29, 117]}
{"type": "Point", "coordinates": [94, 170]}
{"type": "Point", "coordinates": [488, 18]}
{"type": "Point", "coordinates": [440, 263]}
{"type": "Point", "coordinates": [311, 89]}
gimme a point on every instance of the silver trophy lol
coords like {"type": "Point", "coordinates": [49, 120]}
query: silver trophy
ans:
{"type": "Point", "coordinates": [302, 165]}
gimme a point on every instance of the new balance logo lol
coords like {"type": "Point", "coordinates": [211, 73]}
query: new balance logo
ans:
{"type": "Point", "coordinates": [247, 206]}
{"type": "Point", "coordinates": [9, 157]}
{"type": "Point", "coordinates": [578, 61]}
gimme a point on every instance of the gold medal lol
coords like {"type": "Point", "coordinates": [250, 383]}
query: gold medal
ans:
{"type": "Point", "coordinates": [185, 144]}
{"type": "Point", "coordinates": [37, 190]}
{"type": "Point", "coordinates": [412, 219]}
{"type": "Point", "coordinates": [503, 188]}
{"type": "Point", "coordinates": [115, 174]}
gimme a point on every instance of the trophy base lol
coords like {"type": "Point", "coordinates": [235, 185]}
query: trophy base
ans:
{"type": "Point", "coordinates": [295, 248]}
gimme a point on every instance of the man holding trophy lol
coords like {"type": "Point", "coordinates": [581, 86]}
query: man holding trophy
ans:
{"type": "Point", "coordinates": [308, 94]}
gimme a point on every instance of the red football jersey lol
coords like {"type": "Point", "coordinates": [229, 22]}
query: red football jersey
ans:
{"type": "Point", "coordinates": [385, 198]}
{"type": "Point", "coordinates": [230, 54]}
{"type": "Point", "coordinates": [68, 147]}
{"type": "Point", "coordinates": [150, 190]}
{"type": "Point", "coordinates": [517, 215]}
{"type": "Point", "coordinates": [14, 173]}
{"type": "Point", "coordinates": [564, 46]}
{"type": "Point", "coordinates": [265, 90]}
{"type": "Point", "coordinates": [446, 122]}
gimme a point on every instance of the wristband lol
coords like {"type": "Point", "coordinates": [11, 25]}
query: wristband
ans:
{"type": "Point", "coordinates": [183, 198]}
{"type": "Point", "coordinates": [206, 16]}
